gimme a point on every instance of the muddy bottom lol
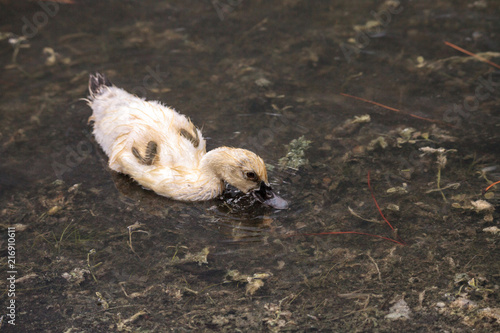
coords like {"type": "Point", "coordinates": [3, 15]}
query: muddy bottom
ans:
{"type": "Point", "coordinates": [388, 230]}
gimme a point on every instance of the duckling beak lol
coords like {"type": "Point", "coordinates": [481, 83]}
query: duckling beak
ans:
{"type": "Point", "coordinates": [266, 195]}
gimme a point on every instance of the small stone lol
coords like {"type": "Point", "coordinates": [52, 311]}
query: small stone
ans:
{"type": "Point", "coordinates": [263, 82]}
{"type": "Point", "coordinates": [358, 150]}
{"type": "Point", "coordinates": [463, 303]}
{"type": "Point", "coordinates": [20, 227]}
{"type": "Point", "coordinates": [54, 210]}
{"type": "Point", "coordinates": [393, 207]}
{"type": "Point", "coordinates": [399, 311]}
{"type": "Point", "coordinates": [489, 195]}
{"type": "Point", "coordinates": [494, 230]}
{"type": "Point", "coordinates": [300, 225]}
{"type": "Point", "coordinates": [481, 205]}
{"type": "Point", "coordinates": [74, 188]}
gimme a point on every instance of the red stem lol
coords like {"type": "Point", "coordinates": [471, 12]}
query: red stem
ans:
{"type": "Point", "coordinates": [491, 185]}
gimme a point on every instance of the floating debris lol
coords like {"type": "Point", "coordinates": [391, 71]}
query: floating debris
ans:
{"type": "Point", "coordinates": [350, 125]}
{"type": "Point", "coordinates": [439, 151]}
{"type": "Point", "coordinates": [200, 257]}
{"type": "Point", "coordinates": [360, 119]}
{"type": "Point", "coordinates": [76, 276]}
{"type": "Point", "coordinates": [409, 135]}
{"type": "Point", "coordinates": [398, 189]}
{"type": "Point", "coordinates": [52, 57]}
{"type": "Point", "coordinates": [102, 300]}
{"type": "Point", "coordinates": [380, 141]}
{"type": "Point", "coordinates": [122, 324]}
{"type": "Point", "coordinates": [478, 205]}
{"type": "Point", "coordinates": [253, 286]}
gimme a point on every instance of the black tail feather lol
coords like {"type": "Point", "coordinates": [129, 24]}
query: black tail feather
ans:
{"type": "Point", "coordinates": [97, 82]}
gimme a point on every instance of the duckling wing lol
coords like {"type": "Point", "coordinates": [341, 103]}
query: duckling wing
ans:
{"type": "Point", "coordinates": [148, 132]}
{"type": "Point", "coordinates": [180, 143]}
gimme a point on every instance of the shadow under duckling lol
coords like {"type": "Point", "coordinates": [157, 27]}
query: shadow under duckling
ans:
{"type": "Point", "coordinates": [163, 151]}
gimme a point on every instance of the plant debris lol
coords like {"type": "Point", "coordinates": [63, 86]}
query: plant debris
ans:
{"type": "Point", "coordinates": [254, 282]}
{"type": "Point", "coordinates": [200, 257]}
{"type": "Point", "coordinates": [295, 157]}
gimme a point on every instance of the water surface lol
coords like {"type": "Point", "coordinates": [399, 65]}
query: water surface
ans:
{"type": "Point", "coordinates": [256, 75]}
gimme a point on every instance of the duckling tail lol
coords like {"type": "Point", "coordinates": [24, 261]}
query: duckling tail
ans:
{"type": "Point", "coordinates": [96, 84]}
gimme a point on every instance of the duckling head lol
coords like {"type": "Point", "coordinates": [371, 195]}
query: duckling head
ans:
{"type": "Point", "coordinates": [247, 172]}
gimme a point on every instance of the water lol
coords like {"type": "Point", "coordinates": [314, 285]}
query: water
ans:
{"type": "Point", "coordinates": [255, 75]}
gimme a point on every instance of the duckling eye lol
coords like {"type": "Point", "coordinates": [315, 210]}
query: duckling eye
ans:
{"type": "Point", "coordinates": [251, 175]}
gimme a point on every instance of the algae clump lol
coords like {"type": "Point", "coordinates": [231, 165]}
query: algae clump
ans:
{"type": "Point", "coordinates": [295, 157]}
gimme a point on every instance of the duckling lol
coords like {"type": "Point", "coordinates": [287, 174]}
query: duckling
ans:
{"type": "Point", "coordinates": [163, 151]}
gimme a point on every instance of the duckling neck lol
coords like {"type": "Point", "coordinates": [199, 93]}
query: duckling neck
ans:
{"type": "Point", "coordinates": [212, 163]}
{"type": "Point", "coordinates": [206, 182]}
{"type": "Point", "coordinates": [202, 183]}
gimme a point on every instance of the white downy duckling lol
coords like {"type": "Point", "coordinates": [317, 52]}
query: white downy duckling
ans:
{"type": "Point", "coordinates": [164, 152]}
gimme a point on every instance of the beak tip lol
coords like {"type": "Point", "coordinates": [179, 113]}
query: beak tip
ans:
{"type": "Point", "coordinates": [265, 195]}
{"type": "Point", "coordinates": [277, 202]}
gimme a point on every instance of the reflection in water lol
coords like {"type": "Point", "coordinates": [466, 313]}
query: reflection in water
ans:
{"type": "Point", "coordinates": [237, 217]}
{"type": "Point", "coordinates": [241, 231]}
{"type": "Point", "coordinates": [244, 227]}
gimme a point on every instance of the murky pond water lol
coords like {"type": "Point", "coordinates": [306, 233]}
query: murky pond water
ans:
{"type": "Point", "coordinates": [94, 252]}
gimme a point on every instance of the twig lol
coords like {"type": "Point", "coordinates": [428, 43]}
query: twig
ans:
{"type": "Point", "coordinates": [439, 184]}
{"type": "Point", "coordinates": [376, 266]}
{"type": "Point", "coordinates": [362, 218]}
{"type": "Point", "coordinates": [452, 186]}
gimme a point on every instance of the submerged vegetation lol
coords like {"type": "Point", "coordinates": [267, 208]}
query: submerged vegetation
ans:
{"type": "Point", "coordinates": [295, 157]}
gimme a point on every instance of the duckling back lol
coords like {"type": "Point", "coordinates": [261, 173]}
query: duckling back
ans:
{"type": "Point", "coordinates": [139, 136]}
